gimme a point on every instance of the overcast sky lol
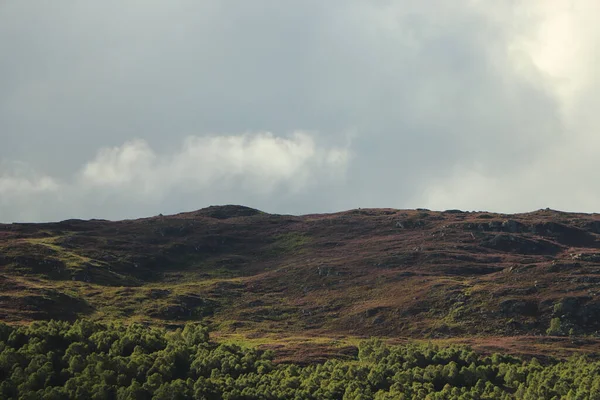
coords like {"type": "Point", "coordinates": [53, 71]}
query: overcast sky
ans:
{"type": "Point", "coordinates": [123, 109]}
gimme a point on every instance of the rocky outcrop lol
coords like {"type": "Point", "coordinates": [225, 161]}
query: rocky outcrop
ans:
{"type": "Point", "coordinates": [521, 245]}
{"type": "Point", "coordinates": [581, 311]}
{"type": "Point", "coordinates": [567, 235]}
{"type": "Point", "coordinates": [519, 307]}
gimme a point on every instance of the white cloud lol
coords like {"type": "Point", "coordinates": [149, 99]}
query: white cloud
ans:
{"type": "Point", "coordinates": [25, 186]}
{"type": "Point", "coordinates": [235, 166]}
{"type": "Point", "coordinates": [257, 162]}
{"type": "Point", "coordinates": [119, 166]}
{"type": "Point", "coordinates": [23, 192]}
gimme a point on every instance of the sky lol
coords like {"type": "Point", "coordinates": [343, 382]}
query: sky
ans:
{"type": "Point", "coordinates": [131, 108]}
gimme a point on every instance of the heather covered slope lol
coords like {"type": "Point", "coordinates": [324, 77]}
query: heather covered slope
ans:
{"type": "Point", "coordinates": [366, 272]}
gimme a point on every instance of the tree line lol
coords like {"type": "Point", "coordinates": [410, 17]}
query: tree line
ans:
{"type": "Point", "coordinates": [92, 360]}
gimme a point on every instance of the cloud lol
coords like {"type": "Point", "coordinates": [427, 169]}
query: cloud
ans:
{"type": "Point", "coordinates": [455, 105]}
{"type": "Point", "coordinates": [23, 192]}
{"type": "Point", "coordinates": [252, 165]}
{"type": "Point", "coordinates": [119, 166]}
{"type": "Point", "coordinates": [258, 162]}
{"type": "Point", "coordinates": [557, 52]}
{"type": "Point", "coordinates": [18, 178]}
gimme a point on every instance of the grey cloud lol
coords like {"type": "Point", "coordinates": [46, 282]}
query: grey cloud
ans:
{"type": "Point", "coordinates": [421, 94]}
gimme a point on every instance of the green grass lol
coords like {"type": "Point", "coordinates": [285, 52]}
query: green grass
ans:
{"type": "Point", "coordinates": [292, 242]}
{"type": "Point", "coordinates": [70, 258]}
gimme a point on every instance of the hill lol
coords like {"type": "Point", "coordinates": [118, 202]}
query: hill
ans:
{"type": "Point", "coordinates": [525, 283]}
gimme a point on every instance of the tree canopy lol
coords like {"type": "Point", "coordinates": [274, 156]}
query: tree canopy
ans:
{"type": "Point", "coordinates": [90, 360]}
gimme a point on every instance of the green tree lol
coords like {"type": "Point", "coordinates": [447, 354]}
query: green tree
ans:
{"type": "Point", "coordinates": [555, 328]}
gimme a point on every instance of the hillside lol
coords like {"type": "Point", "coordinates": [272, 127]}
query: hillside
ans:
{"type": "Point", "coordinates": [491, 280]}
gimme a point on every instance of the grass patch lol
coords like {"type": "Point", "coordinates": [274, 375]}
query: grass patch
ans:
{"type": "Point", "coordinates": [292, 242]}
{"type": "Point", "coordinates": [69, 258]}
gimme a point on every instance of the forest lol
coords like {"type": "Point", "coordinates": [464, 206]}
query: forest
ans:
{"type": "Point", "coordinates": [92, 360]}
